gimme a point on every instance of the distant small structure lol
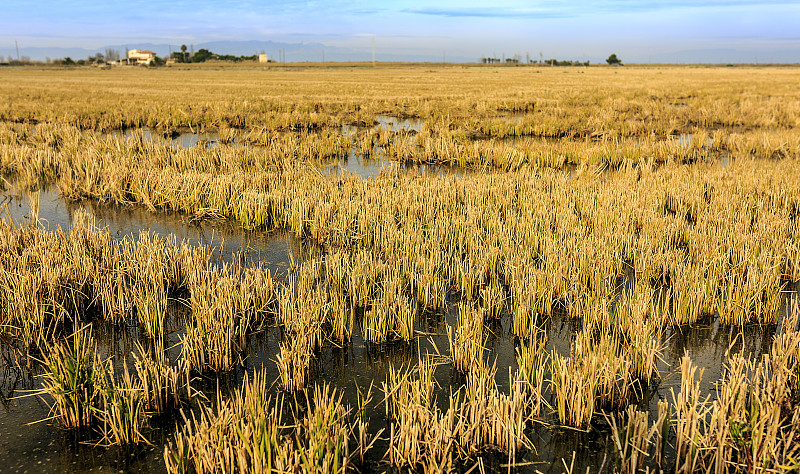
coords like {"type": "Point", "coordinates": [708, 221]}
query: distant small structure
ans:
{"type": "Point", "coordinates": [141, 57]}
{"type": "Point", "coordinates": [262, 58]}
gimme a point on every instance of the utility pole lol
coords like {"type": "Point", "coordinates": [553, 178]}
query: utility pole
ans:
{"type": "Point", "coordinates": [323, 57]}
{"type": "Point", "coordinates": [373, 51]}
{"type": "Point", "coordinates": [444, 60]}
{"type": "Point", "coordinates": [17, 45]}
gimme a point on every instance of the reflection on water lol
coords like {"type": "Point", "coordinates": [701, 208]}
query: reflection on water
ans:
{"type": "Point", "coordinates": [189, 138]}
{"type": "Point", "coordinates": [183, 138]}
{"type": "Point", "coordinates": [709, 347]}
{"type": "Point", "coordinates": [33, 446]}
{"type": "Point", "coordinates": [274, 250]}
{"type": "Point", "coordinates": [364, 166]}
{"type": "Point", "coordinates": [394, 124]}
{"type": "Point", "coordinates": [385, 123]}
{"type": "Point", "coordinates": [353, 368]}
{"type": "Point", "coordinates": [372, 165]}
{"type": "Point", "coordinates": [349, 130]}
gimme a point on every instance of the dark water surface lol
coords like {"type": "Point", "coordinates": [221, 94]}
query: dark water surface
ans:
{"type": "Point", "coordinates": [378, 162]}
{"type": "Point", "coordinates": [28, 444]}
{"type": "Point", "coordinates": [182, 138]}
{"type": "Point", "coordinates": [357, 163]}
{"type": "Point", "coordinates": [274, 250]}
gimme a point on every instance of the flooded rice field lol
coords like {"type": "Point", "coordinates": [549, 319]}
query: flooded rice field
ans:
{"type": "Point", "coordinates": [276, 251]}
{"type": "Point", "coordinates": [181, 138]}
{"type": "Point", "coordinates": [377, 162]}
{"type": "Point", "coordinates": [34, 445]}
{"type": "Point", "coordinates": [358, 163]}
{"type": "Point", "coordinates": [491, 269]}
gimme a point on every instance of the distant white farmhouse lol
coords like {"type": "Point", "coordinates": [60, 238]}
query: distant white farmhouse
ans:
{"type": "Point", "coordinates": [140, 56]}
{"type": "Point", "coordinates": [263, 58]}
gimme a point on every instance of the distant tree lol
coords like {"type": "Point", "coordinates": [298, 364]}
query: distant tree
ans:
{"type": "Point", "coordinates": [183, 50]}
{"type": "Point", "coordinates": [202, 55]}
{"type": "Point", "coordinates": [112, 54]}
{"type": "Point", "coordinates": [614, 60]}
{"type": "Point", "coordinates": [68, 61]}
{"type": "Point", "coordinates": [236, 59]}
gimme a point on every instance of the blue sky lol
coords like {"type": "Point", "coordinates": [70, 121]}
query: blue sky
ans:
{"type": "Point", "coordinates": [639, 31]}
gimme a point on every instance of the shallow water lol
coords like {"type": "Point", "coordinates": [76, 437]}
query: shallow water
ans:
{"type": "Point", "coordinates": [182, 138]}
{"type": "Point", "coordinates": [371, 166]}
{"type": "Point", "coordinates": [36, 446]}
{"type": "Point", "coordinates": [274, 250]}
{"type": "Point", "coordinates": [684, 140]}
{"type": "Point", "coordinates": [385, 123]}
{"type": "Point", "coordinates": [355, 163]}
{"type": "Point", "coordinates": [395, 124]}
{"type": "Point", "coordinates": [357, 366]}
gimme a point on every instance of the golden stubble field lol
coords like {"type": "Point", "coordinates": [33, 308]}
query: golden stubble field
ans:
{"type": "Point", "coordinates": [632, 206]}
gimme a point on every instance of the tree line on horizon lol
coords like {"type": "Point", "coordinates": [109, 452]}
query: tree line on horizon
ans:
{"type": "Point", "coordinates": [612, 60]}
{"type": "Point", "coordinates": [202, 55]}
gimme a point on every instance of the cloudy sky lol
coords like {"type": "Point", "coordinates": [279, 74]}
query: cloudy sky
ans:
{"type": "Point", "coordinates": [638, 31]}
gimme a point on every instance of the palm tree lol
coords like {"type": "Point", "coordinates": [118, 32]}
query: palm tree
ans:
{"type": "Point", "coordinates": [183, 50]}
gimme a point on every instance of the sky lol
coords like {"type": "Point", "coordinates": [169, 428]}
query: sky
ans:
{"type": "Point", "coordinates": [637, 31]}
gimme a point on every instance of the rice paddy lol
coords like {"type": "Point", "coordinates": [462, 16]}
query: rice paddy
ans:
{"type": "Point", "coordinates": [400, 270]}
